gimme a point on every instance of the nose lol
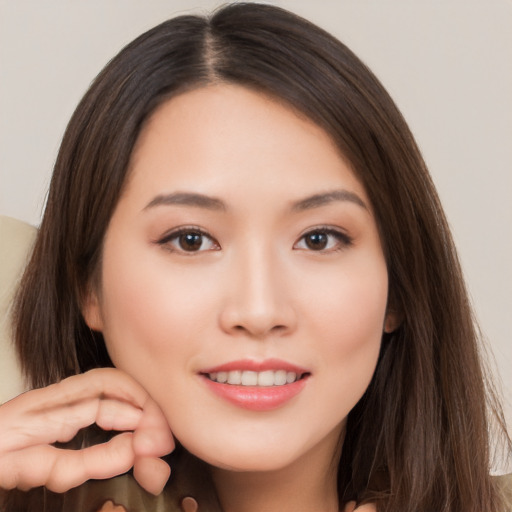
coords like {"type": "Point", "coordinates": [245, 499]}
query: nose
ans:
{"type": "Point", "coordinates": [259, 302]}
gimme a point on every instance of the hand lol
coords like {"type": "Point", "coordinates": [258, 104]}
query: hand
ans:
{"type": "Point", "coordinates": [33, 421]}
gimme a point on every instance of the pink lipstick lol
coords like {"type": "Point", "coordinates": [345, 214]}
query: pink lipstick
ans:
{"type": "Point", "coordinates": [257, 386]}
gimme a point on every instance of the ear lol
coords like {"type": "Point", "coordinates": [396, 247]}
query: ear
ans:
{"type": "Point", "coordinates": [91, 311]}
{"type": "Point", "coordinates": [392, 321]}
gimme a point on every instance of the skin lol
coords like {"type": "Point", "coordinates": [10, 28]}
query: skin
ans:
{"type": "Point", "coordinates": [252, 289]}
{"type": "Point", "coordinates": [35, 420]}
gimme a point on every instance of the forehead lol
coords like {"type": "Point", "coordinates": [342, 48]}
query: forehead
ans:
{"type": "Point", "coordinates": [227, 137]}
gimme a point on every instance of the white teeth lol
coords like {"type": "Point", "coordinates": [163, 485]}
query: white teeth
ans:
{"type": "Point", "coordinates": [222, 377]}
{"type": "Point", "coordinates": [266, 378]}
{"type": "Point", "coordinates": [249, 378]}
{"type": "Point", "coordinates": [235, 377]}
{"type": "Point", "coordinates": [280, 378]}
{"type": "Point", "coordinates": [291, 377]}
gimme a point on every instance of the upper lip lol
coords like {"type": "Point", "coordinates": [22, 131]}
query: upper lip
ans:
{"type": "Point", "coordinates": [256, 366]}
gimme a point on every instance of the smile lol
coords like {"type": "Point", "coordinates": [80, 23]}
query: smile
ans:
{"type": "Point", "coordinates": [265, 378]}
{"type": "Point", "coordinates": [256, 386]}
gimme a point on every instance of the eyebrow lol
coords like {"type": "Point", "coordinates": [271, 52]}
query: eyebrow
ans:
{"type": "Point", "coordinates": [187, 199]}
{"type": "Point", "coordinates": [212, 203]}
{"type": "Point", "coordinates": [324, 198]}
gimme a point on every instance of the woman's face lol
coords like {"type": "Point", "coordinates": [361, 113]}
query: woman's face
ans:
{"type": "Point", "coordinates": [243, 282]}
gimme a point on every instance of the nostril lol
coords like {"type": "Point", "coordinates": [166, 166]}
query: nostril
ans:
{"type": "Point", "coordinates": [241, 319]}
{"type": "Point", "coordinates": [279, 329]}
{"type": "Point", "coordinates": [255, 331]}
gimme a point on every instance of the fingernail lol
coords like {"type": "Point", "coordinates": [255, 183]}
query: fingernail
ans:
{"type": "Point", "coordinates": [189, 504]}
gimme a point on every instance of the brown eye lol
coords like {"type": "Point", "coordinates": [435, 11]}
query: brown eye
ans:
{"type": "Point", "coordinates": [316, 241]}
{"type": "Point", "coordinates": [323, 240]}
{"type": "Point", "coordinates": [190, 241]}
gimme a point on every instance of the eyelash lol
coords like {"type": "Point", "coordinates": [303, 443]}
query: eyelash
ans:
{"type": "Point", "coordinates": [343, 240]}
{"type": "Point", "coordinates": [167, 239]}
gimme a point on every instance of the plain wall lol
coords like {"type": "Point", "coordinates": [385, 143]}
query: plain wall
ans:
{"type": "Point", "coordinates": [448, 65]}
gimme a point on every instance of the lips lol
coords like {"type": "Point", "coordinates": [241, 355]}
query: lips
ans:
{"type": "Point", "coordinates": [258, 386]}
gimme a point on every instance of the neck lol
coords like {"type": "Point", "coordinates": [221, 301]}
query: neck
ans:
{"type": "Point", "coordinates": [306, 485]}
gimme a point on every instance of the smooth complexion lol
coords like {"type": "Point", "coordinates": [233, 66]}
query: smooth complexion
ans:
{"type": "Point", "coordinates": [243, 238]}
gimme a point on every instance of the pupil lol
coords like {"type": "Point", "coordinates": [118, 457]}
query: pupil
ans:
{"type": "Point", "coordinates": [191, 241]}
{"type": "Point", "coordinates": [316, 241]}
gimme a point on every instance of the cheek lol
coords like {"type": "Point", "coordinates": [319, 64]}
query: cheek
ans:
{"type": "Point", "coordinates": [348, 320]}
{"type": "Point", "coordinates": [350, 308]}
{"type": "Point", "coordinates": [152, 313]}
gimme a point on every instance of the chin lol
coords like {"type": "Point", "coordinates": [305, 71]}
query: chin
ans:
{"type": "Point", "coordinates": [247, 462]}
{"type": "Point", "coordinates": [261, 452]}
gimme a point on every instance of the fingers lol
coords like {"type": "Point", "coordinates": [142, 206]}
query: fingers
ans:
{"type": "Point", "coordinates": [21, 429]}
{"type": "Point", "coordinates": [100, 382]}
{"type": "Point", "coordinates": [60, 470]}
{"type": "Point", "coordinates": [151, 440]}
{"type": "Point", "coordinates": [153, 436]}
{"type": "Point", "coordinates": [151, 473]}
{"type": "Point", "coordinates": [71, 397]}
{"type": "Point", "coordinates": [32, 422]}
{"type": "Point", "coordinates": [105, 396]}
{"type": "Point", "coordinates": [114, 415]}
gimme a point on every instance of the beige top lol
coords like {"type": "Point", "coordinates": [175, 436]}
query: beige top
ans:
{"type": "Point", "coordinates": [16, 240]}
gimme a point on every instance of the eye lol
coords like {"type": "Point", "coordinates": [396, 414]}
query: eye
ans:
{"type": "Point", "coordinates": [323, 239]}
{"type": "Point", "coordinates": [189, 240]}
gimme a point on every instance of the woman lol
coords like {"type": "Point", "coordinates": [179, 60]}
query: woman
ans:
{"type": "Point", "coordinates": [241, 223]}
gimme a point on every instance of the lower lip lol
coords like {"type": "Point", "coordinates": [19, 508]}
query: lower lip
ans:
{"type": "Point", "coordinates": [257, 398]}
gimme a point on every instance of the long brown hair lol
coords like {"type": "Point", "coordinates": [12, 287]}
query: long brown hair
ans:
{"type": "Point", "coordinates": [419, 438]}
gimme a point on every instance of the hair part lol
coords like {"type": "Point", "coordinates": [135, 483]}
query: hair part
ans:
{"type": "Point", "coordinates": [418, 439]}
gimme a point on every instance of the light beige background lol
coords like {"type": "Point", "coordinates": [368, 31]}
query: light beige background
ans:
{"type": "Point", "coordinates": [448, 64]}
